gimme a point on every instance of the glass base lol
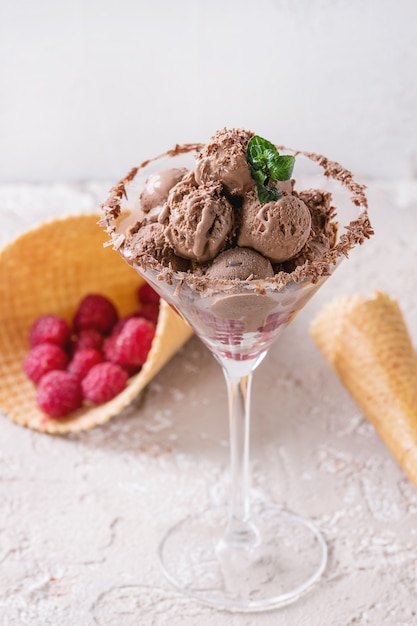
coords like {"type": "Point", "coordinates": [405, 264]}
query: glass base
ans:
{"type": "Point", "coordinates": [285, 561]}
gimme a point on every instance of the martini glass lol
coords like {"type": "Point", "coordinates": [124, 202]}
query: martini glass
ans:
{"type": "Point", "coordinates": [245, 556]}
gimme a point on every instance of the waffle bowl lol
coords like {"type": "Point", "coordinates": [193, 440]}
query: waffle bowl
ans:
{"type": "Point", "coordinates": [48, 270]}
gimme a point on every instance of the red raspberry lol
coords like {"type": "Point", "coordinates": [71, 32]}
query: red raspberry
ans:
{"type": "Point", "coordinates": [49, 329]}
{"type": "Point", "coordinates": [95, 311]}
{"type": "Point", "coordinates": [82, 362]}
{"type": "Point", "coordinates": [43, 359]}
{"type": "Point", "coordinates": [121, 323]}
{"type": "Point", "coordinates": [148, 295]}
{"type": "Point", "coordinates": [131, 345]}
{"type": "Point", "coordinates": [59, 393]}
{"type": "Point", "coordinates": [149, 312]}
{"type": "Point", "coordinates": [88, 338]}
{"type": "Point", "coordinates": [110, 349]}
{"type": "Point", "coordinates": [103, 382]}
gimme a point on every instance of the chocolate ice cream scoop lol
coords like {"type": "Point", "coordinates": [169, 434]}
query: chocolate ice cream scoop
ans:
{"type": "Point", "coordinates": [285, 187]}
{"type": "Point", "coordinates": [198, 220]}
{"type": "Point", "coordinates": [240, 263]}
{"type": "Point", "coordinates": [150, 240]}
{"type": "Point", "coordinates": [323, 229]}
{"type": "Point", "coordinates": [278, 229]}
{"type": "Point", "coordinates": [157, 188]}
{"type": "Point", "coordinates": [224, 159]}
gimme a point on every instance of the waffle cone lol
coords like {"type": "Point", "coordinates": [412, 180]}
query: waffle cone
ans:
{"type": "Point", "coordinates": [367, 343]}
{"type": "Point", "coordinates": [48, 270]}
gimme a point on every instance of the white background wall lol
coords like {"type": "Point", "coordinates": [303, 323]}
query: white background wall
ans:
{"type": "Point", "coordinates": [90, 87]}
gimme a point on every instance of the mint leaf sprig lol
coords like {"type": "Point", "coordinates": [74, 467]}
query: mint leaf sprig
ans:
{"type": "Point", "coordinates": [267, 166]}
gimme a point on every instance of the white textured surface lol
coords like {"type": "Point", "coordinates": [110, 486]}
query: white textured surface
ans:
{"type": "Point", "coordinates": [81, 516]}
{"type": "Point", "coordinates": [90, 88]}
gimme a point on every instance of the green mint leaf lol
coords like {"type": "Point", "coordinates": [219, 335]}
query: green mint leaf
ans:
{"type": "Point", "coordinates": [267, 166]}
{"type": "Point", "coordinates": [259, 152]}
{"type": "Point", "coordinates": [282, 168]}
{"type": "Point", "coordinates": [258, 175]}
{"type": "Point", "coordinates": [267, 194]}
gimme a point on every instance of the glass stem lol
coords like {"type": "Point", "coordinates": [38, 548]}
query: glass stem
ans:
{"type": "Point", "coordinates": [240, 532]}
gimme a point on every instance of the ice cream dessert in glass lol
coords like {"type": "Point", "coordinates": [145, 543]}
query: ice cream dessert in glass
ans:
{"type": "Point", "coordinates": [238, 246]}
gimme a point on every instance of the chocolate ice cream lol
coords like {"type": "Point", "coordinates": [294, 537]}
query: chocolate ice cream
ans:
{"type": "Point", "coordinates": [224, 159]}
{"type": "Point", "coordinates": [149, 239]}
{"type": "Point", "coordinates": [157, 187]}
{"type": "Point", "coordinates": [323, 228]}
{"type": "Point", "coordinates": [278, 230]}
{"type": "Point", "coordinates": [241, 264]}
{"type": "Point", "coordinates": [198, 219]}
{"type": "Point", "coordinates": [237, 203]}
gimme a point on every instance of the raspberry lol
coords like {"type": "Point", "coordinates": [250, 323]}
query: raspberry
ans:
{"type": "Point", "coordinates": [109, 348]}
{"type": "Point", "coordinates": [82, 362]}
{"type": "Point", "coordinates": [49, 329]}
{"type": "Point", "coordinates": [43, 359]}
{"type": "Point", "coordinates": [95, 311]}
{"type": "Point", "coordinates": [103, 382]}
{"type": "Point", "coordinates": [131, 345]}
{"type": "Point", "coordinates": [59, 393]}
{"type": "Point", "coordinates": [121, 323]}
{"type": "Point", "coordinates": [149, 312]}
{"type": "Point", "coordinates": [111, 353]}
{"type": "Point", "coordinates": [88, 338]}
{"type": "Point", "coordinates": [148, 295]}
